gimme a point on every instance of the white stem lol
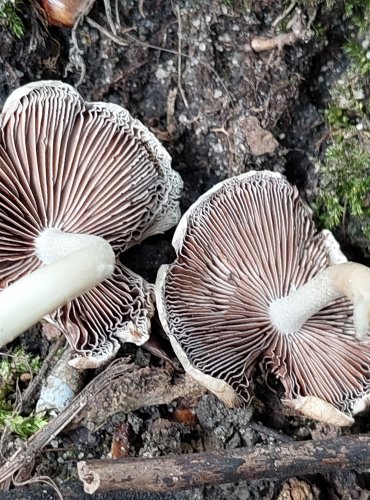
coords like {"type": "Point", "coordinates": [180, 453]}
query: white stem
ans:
{"type": "Point", "coordinates": [349, 279]}
{"type": "Point", "coordinates": [25, 302]}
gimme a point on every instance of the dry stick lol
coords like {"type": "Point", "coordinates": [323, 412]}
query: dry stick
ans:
{"type": "Point", "coordinates": [141, 8]}
{"type": "Point", "coordinates": [108, 13]}
{"type": "Point", "coordinates": [284, 14]}
{"type": "Point", "coordinates": [116, 10]}
{"type": "Point", "coordinates": [27, 452]}
{"type": "Point", "coordinates": [28, 393]}
{"type": "Point", "coordinates": [174, 473]}
{"type": "Point", "coordinates": [261, 44]}
{"type": "Point", "coordinates": [179, 48]}
{"type": "Point", "coordinates": [115, 38]}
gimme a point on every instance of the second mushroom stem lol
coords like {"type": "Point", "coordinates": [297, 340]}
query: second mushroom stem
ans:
{"type": "Point", "coordinates": [348, 279]}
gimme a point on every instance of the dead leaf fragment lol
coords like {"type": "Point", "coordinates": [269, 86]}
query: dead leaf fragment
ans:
{"type": "Point", "coordinates": [260, 141]}
{"type": "Point", "coordinates": [298, 490]}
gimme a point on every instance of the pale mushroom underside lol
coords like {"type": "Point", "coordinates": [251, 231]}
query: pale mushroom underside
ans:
{"type": "Point", "coordinates": [91, 168]}
{"type": "Point", "coordinates": [247, 242]}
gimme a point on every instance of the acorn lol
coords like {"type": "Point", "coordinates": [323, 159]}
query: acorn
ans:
{"type": "Point", "coordinates": [65, 12]}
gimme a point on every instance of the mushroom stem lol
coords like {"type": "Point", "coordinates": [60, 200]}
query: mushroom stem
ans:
{"type": "Point", "coordinates": [348, 279]}
{"type": "Point", "coordinates": [32, 297]}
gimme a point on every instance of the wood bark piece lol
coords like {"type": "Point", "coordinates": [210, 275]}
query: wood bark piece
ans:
{"type": "Point", "coordinates": [186, 471]}
{"type": "Point", "coordinates": [262, 44]}
{"type": "Point", "coordinates": [139, 387]}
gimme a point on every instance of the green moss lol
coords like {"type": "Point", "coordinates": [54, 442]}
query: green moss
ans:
{"type": "Point", "coordinates": [345, 182]}
{"type": "Point", "coordinates": [17, 364]}
{"type": "Point", "coordinates": [11, 370]}
{"type": "Point", "coordinates": [355, 9]}
{"type": "Point", "coordinates": [359, 54]}
{"type": "Point", "coordinates": [9, 17]}
{"type": "Point", "coordinates": [22, 426]}
{"type": "Point", "coordinates": [344, 190]}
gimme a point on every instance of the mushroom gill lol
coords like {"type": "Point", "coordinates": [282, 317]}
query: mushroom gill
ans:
{"type": "Point", "coordinates": [72, 173]}
{"type": "Point", "coordinates": [245, 245]}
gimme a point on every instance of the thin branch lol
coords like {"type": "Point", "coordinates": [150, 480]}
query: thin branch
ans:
{"type": "Point", "coordinates": [27, 452]}
{"type": "Point", "coordinates": [115, 38]}
{"type": "Point", "coordinates": [108, 13]}
{"type": "Point", "coordinates": [141, 8]}
{"type": "Point", "coordinates": [262, 44]}
{"type": "Point", "coordinates": [28, 393]}
{"type": "Point", "coordinates": [179, 39]}
{"type": "Point", "coordinates": [172, 473]}
{"type": "Point", "coordinates": [284, 14]}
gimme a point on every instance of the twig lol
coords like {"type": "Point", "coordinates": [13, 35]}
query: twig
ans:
{"type": "Point", "coordinates": [179, 38]}
{"type": "Point", "coordinates": [141, 8]}
{"type": "Point", "coordinates": [23, 398]}
{"type": "Point", "coordinates": [115, 38]}
{"type": "Point", "coordinates": [136, 388]}
{"type": "Point", "coordinates": [108, 13]}
{"type": "Point", "coordinates": [116, 9]}
{"type": "Point", "coordinates": [174, 473]}
{"type": "Point", "coordinates": [262, 44]}
{"type": "Point", "coordinates": [62, 384]}
{"type": "Point", "coordinates": [285, 13]}
{"type": "Point", "coordinates": [43, 480]}
{"type": "Point", "coordinates": [162, 49]}
{"type": "Point", "coordinates": [25, 454]}
{"type": "Point", "coordinates": [28, 393]}
{"type": "Point", "coordinates": [299, 31]}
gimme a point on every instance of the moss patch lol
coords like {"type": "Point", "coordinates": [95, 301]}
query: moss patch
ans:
{"type": "Point", "coordinates": [344, 192]}
{"type": "Point", "coordinates": [17, 369]}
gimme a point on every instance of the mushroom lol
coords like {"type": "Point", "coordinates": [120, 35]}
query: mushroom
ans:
{"type": "Point", "coordinates": [67, 12]}
{"type": "Point", "coordinates": [79, 183]}
{"type": "Point", "coordinates": [255, 283]}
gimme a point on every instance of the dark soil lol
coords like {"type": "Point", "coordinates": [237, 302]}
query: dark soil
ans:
{"type": "Point", "coordinates": [223, 83]}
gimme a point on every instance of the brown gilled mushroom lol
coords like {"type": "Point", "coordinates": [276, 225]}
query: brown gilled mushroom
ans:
{"type": "Point", "coordinates": [254, 282]}
{"type": "Point", "coordinates": [79, 183]}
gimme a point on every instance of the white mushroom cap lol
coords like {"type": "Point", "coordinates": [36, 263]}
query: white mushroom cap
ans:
{"type": "Point", "coordinates": [245, 244]}
{"type": "Point", "coordinates": [69, 166]}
